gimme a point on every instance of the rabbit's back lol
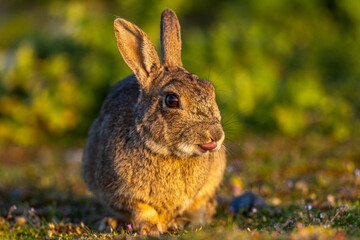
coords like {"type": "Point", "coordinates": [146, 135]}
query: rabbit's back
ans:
{"type": "Point", "coordinates": [109, 130]}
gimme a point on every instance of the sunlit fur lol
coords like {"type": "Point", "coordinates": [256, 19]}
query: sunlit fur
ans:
{"type": "Point", "coordinates": [143, 157]}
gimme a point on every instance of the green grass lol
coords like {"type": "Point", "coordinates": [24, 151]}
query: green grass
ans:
{"type": "Point", "coordinates": [311, 184]}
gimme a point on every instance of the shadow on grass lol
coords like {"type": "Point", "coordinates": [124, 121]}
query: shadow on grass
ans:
{"type": "Point", "coordinates": [52, 205]}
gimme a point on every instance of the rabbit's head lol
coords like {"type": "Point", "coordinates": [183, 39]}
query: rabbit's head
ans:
{"type": "Point", "coordinates": [176, 113]}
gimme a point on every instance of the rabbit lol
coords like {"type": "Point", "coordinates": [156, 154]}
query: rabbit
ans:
{"type": "Point", "coordinates": [155, 153]}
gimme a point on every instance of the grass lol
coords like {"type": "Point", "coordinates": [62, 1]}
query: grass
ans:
{"type": "Point", "coordinates": [311, 184]}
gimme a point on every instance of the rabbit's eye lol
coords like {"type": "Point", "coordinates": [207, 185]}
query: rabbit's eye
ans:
{"type": "Point", "coordinates": [172, 101]}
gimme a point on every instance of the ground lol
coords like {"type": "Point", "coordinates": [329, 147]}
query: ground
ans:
{"type": "Point", "coordinates": [310, 183]}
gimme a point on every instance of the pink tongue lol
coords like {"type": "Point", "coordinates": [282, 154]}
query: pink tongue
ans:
{"type": "Point", "coordinates": [208, 146]}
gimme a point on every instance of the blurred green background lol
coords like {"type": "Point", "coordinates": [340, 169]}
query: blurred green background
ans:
{"type": "Point", "coordinates": [287, 75]}
{"type": "Point", "coordinates": [289, 68]}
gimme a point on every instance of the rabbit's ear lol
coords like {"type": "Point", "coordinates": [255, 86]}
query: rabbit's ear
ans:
{"type": "Point", "coordinates": [137, 50]}
{"type": "Point", "coordinates": [170, 39]}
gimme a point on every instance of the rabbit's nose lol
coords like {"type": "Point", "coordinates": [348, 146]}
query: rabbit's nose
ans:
{"type": "Point", "coordinates": [216, 133]}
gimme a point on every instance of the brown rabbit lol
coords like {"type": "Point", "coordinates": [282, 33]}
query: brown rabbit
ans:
{"type": "Point", "coordinates": [156, 150]}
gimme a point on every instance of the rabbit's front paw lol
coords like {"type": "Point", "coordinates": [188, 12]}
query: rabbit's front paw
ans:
{"type": "Point", "coordinates": [146, 220]}
{"type": "Point", "coordinates": [150, 229]}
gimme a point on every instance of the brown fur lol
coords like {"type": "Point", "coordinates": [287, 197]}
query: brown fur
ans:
{"type": "Point", "coordinates": [143, 157]}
